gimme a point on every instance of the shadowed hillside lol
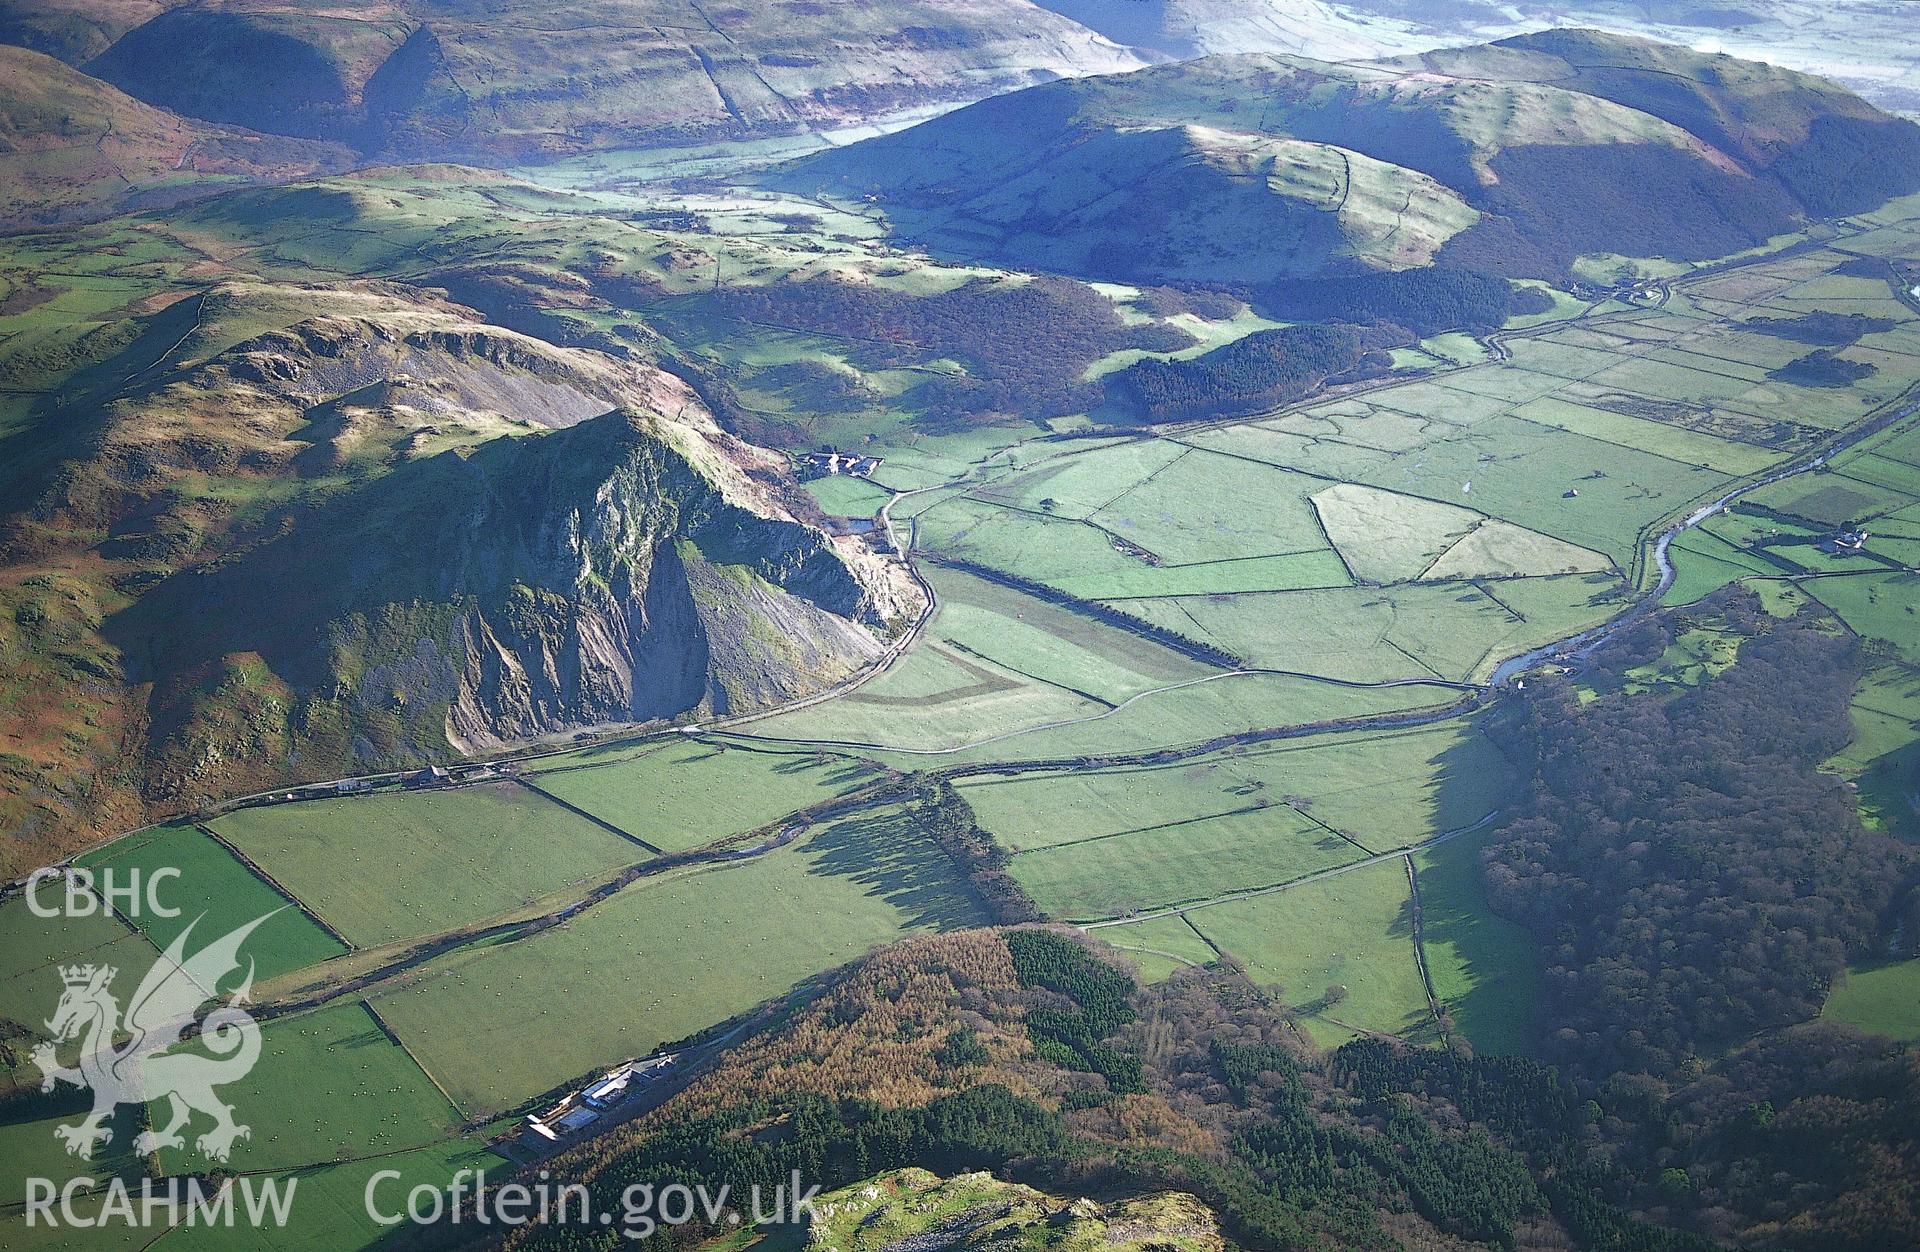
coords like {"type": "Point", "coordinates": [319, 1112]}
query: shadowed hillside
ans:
{"type": "Point", "coordinates": [72, 147]}
{"type": "Point", "coordinates": [439, 78]}
{"type": "Point", "coordinates": [1514, 157]}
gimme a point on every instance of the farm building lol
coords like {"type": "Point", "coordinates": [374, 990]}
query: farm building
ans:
{"type": "Point", "coordinates": [544, 1131]}
{"type": "Point", "coordinates": [612, 1089]}
{"type": "Point", "coordinates": [824, 464]}
{"type": "Point", "coordinates": [577, 1118]}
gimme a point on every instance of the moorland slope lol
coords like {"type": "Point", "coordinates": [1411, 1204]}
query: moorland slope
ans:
{"type": "Point", "coordinates": [511, 80]}
{"type": "Point", "coordinates": [1843, 39]}
{"type": "Point", "coordinates": [73, 147]}
{"type": "Point", "coordinates": [1514, 157]}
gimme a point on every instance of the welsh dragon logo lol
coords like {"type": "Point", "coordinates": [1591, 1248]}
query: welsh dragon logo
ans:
{"type": "Point", "coordinates": [144, 1067]}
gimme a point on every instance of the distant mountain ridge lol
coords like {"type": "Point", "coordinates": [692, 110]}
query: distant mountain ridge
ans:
{"type": "Point", "coordinates": [1514, 157]}
{"type": "Point", "coordinates": [1856, 42]}
{"type": "Point", "coordinates": [73, 147]}
{"type": "Point", "coordinates": [513, 80]}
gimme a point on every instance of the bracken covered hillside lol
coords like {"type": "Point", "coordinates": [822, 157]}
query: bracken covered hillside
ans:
{"type": "Point", "coordinates": [344, 530]}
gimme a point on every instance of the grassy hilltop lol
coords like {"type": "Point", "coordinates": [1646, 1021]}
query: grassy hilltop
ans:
{"type": "Point", "coordinates": [1516, 157]}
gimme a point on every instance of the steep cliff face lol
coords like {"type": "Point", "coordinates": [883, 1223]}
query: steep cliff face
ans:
{"type": "Point", "coordinates": [592, 576]}
{"type": "Point", "coordinates": [524, 587]}
{"type": "Point", "coordinates": [334, 532]}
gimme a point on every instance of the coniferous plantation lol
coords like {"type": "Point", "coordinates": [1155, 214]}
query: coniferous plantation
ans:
{"type": "Point", "coordinates": [960, 626]}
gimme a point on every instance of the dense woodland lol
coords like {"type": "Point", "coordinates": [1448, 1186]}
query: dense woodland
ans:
{"type": "Point", "coordinates": [1823, 327]}
{"type": "Point", "coordinates": [948, 820]}
{"type": "Point", "coordinates": [1259, 371]}
{"type": "Point", "coordinates": [1690, 874]}
{"type": "Point", "coordinates": [1025, 346]}
{"type": "Point", "coordinates": [1425, 301]}
{"type": "Point", "coordinates": [1822, 369]}
{"type": "Point", "coordinates": [1696, 884]}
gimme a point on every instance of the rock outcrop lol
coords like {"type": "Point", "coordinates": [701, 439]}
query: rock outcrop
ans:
{"type": "Point", "coordinates": [332, 532]}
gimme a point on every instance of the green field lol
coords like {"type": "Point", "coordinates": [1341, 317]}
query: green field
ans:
{"type": "Point", "coordinates": [1879, 999]}
{"type": "Point", "coordinates": [329, 1086]}
{"type": "Point", "coordinates": [1051, 644]}
{"type": "Point", "coordinates": [936, 697]}
{"type": "Point", "coordinates": [29, 1148]}
{"type": "Point", "coordinates": [444, 858]}
{"type": "Point", "coordinates": [19, 1237]}
{"type": "Point", "coordinates": [842, 496]}
{"type": "Point", "coordinates": [1886, 706]}
{"type": "Point", "coordinates": [329, 1208]}
{"type": "Point", "coordinates": [1044, 810]}
{"type": "Point", "coordinates": [1396, 788]}
{"type": "Point", "coordinates": [1386, 537]}
{"type": "Point", "coordinates": [992, 660]}
{"type": "Point", "coordinates": [1159, 947]}
{"type": "Point", "coordinates": [1885, 752]}
{"type": "Point", "coordinates": [682, 792]}
{"type": "Point", "coordinates": [1382, 790]}
{"type": "Point", "coordinates": [1704, 563]}
{"type": "Point", "coordinates": [1141, 518]}
{"type": "Point", "coordinates": [215, 894]}
{"type": "Point", "coordinates": [1504, 467]}
{"type": "Point", "coordinates": [1878, 606]}
{"type": "Point", "coordinates": [1451, 632]}
{"type": "Point", "coordinates": [1177, 863]}
{"type": "Point", "coordinates": [30, 950]}
{"type": "Point", "coordinates": [1353, 930]}
{"type": "Point", "coordinates": [1281, 571]}
{"type": "Point", "coordinates": [1198, 712]}
{"type": "Point", "coordinates": [667, 957]}
{"type": "Point", "coordinates": [1486, 973]}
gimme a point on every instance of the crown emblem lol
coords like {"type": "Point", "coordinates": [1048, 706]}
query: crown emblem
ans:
{"type": "Point", "coordinates": [81, 975]}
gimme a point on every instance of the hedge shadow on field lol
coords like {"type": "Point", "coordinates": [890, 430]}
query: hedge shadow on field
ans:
{"type": "Point", "coordinates": [886, 855]}
{"type": "Point", "coordinates": [1419, 1024]}
{"type": "Point", "coordinates": [1485, 970]}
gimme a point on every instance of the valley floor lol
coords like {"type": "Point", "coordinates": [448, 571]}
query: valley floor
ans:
{"type": "Point", "coordinates": [1214, 689]}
